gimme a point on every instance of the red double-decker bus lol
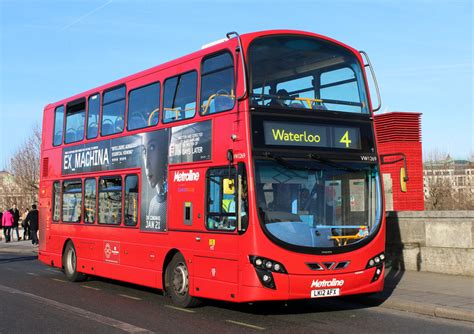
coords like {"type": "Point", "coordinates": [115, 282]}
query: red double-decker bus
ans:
{"type": "Point", "coordinates": [245, 171]}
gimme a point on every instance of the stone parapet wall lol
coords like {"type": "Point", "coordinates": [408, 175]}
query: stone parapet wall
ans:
{"type": "Point", "coordinates": [435, 241]}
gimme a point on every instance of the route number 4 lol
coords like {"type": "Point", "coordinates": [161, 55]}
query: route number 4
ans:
{"type": "Point", "coordinates": [345, 139]}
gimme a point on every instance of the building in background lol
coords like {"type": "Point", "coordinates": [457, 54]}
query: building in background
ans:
{"type": "Point", "coordinates": [400, 132]}
{"type": "Point", "coordinates": [10, 193]}
{"type": "Point", "coordinates": [451, 181]}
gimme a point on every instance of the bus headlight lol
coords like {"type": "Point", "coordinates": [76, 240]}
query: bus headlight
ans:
{"type": "Point", "coordinates": [267, 264]}
{"type": "Point", "coordinates": [376, 260]}
{"type": "Point", "coordinates": [265, 268]}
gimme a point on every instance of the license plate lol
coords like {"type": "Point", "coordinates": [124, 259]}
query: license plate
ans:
{"type": "Point", "coordinates": [325, 293]}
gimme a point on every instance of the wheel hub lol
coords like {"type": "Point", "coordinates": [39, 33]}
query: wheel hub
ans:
{"type": "Point", "coordinates": [72, 261]}
{"type": "Point", "coordinates": [180, 279]}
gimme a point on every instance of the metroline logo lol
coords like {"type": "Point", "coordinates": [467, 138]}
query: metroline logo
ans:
{"type": "Point", "coordinates": [186, 176]}
{"type": "Point", "coordinates": [322, 284]}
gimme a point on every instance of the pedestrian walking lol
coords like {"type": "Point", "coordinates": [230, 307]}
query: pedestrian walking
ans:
{"type": "Point", "coordinates": [16, 220]}
{"type": "Point", "coordinates": [1, 224]}
{"type": "Point", "coordinates": [25, 225]}
{"type": "Point", "coordinates": [7, 223]}
{"type": "Point", "coordinates": [32, 219]}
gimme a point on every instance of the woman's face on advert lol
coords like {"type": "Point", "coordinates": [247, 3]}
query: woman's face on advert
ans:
{"type": "Point", "coordinates": [154, 166]}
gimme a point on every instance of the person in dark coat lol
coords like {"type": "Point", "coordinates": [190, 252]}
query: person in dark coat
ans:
{"type": "Point", "coordinates": [16, 219]}
{"type": "Point", "coordinates": [32, 219]}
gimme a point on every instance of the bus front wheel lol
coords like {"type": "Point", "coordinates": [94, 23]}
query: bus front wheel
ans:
{"type": "Point", "coordinates": [177, 282]}
{"type": "Point", "coordinates": [70, 264]}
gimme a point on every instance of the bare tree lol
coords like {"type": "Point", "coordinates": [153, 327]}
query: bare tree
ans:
{"type": "Point", "coordinates": [25, 164]}
{"type": "Point", "coordinates": [442, 188]}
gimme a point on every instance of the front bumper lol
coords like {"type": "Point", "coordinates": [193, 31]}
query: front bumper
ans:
{"type": "Point", "coordinates": [292, 286]}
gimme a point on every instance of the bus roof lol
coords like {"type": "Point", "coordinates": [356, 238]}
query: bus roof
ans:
{"type": "Point", "coordinates": [208, 49]}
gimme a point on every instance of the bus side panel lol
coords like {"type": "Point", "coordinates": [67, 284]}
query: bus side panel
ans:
{"type": "Point", "coordinates": [215, 278]}
{"type": "Point", "coordinates": [44, 212]}
{"type": "Point", "coordinates": [118, 272]}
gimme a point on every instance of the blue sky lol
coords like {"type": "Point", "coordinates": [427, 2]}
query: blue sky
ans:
{"type": "Point", "coordinates": [422, 51]}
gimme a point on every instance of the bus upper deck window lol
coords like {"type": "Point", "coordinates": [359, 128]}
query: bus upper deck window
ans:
{"type": "Point", "coordinates": [113, 111]}
{"type": "Point", "coordinates": [341, 84]}
{"type": "Point", "coordinates": [305, 73]}
{"type": "Point", "coordinates": [217, 84]}
{"type": "Point", "coordinates": [75, 117]}
{"type": "Point", "coordinates": [143, 107]}
{"type": "Point", "coordinates": [58, 126]}
{"type": "Point", "coordinates": [93, 116]}
{"type": "Point", "coordinates": [179, 98]}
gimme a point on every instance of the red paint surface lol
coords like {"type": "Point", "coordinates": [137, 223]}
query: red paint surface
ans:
{"type": "Point", "coordinates": [400, 132]}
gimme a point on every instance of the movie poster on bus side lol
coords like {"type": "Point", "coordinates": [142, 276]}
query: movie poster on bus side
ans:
{"type": "Point", "coordinates": [190, 143]}
{"type": "Point", "coordinates": [109, 154]}
{"type": "Point", "coordinates": [154, 165]}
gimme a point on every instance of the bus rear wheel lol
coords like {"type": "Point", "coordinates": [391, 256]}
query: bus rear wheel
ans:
{"type": "Point", "coordinates": [177, 282]}
{"type": "Point", "coordinates": [70, 264]}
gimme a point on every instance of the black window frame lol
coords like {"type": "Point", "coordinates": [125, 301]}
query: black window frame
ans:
{"type": "Point", "coordinates": [72, 104]}
{"type": "Point", "coordinates": [121, 200]}
{"type": "Point", "coordinates": [84, 200]}
{"type": "Point", "coordinates": [124, 194]}
{"type": "Point", "coordinates": [103, 104]}
{"type": "Point", "coordinates": [163, 120]}
{"type": "Point", "coordinates": [160, 93]}
{"type": "Point", "coordinates": [62, 125]}
{"type": "Point", "coordinates": [202, 73]}
{"type": "Point", "coordinates": [99, 115]}
{"type": "Point", "coordinates": [62, 200]}
{"type": "Point", "coordinates": [54, 202]}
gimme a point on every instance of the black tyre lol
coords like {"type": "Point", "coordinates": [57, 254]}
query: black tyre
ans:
{"type": "Point", "coordinates": [70, 264]}
{"type": "Point", "coordinates": [177, 282]}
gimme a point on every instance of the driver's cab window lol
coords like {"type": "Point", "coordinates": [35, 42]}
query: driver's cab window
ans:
{"type": "Point", "coordinates": [113, 111]}
{"type": "Point", "coordinates": [217, 84]}
{"type": "Point", "coordinates": [221, 199]}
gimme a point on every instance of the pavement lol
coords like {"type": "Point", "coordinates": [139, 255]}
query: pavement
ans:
{"type": "Point", "coordinates": [432, 294]}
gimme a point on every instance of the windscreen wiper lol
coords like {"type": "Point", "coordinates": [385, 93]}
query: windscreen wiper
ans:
{"type": "Point", "coordinates": [281, 161]}
{"type": "Point", "coordinates": [334, 164]}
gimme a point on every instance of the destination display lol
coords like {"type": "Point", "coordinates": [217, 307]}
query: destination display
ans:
{"type": "Point", "coordinates": [311, 135]}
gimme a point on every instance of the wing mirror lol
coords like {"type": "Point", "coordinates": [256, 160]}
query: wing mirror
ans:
{"type": "Point", "coordinates": [389, 159]}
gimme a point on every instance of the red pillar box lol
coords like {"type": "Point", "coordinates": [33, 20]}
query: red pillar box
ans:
{"type": "Point", "coordinates": [400, 132]}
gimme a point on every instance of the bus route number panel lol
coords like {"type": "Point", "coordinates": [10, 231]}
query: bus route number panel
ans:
{"type": "Point", "coordinates": [311, 135]}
